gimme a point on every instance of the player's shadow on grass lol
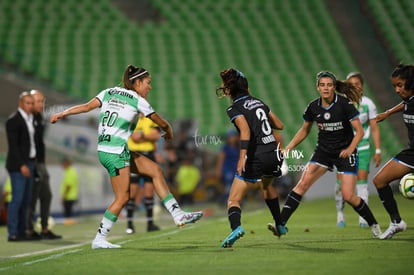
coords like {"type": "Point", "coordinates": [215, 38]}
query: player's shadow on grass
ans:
{"type": "Point", "coordinates": [171, 249]}
{"type": "Point", "coordinates": [400, 239]}
{"type": "Point", "coordinates": [315, 249]}
{"type": "Point", "coordinates": [297, 246]}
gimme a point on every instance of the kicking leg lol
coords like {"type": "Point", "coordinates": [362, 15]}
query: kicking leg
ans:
{"type": "Point", "coordinates": [152, 169]}
{"type": "Point", "coordinates": [311, 173]}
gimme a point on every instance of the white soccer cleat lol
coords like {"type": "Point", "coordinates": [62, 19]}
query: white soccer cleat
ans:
{"type": "Point", "coordinates": [393, 229]}
{"type": "Point", "coordinates": [187, 217]}
{"type": "Point", "coordinates": [376, 230]}
{"type": "Point", "coordinates": [96, 244]}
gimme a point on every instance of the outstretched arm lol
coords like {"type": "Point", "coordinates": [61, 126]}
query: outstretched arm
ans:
{"type": "Point", "coordinates": [397, 108]}
{"type": "Point", "coordinates": [77, 109]}
{"type": "Point", "coordinates": [300, 135]}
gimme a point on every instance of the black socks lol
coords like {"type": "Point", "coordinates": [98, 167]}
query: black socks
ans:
{"type": "Point", "coordinates": [290, 206]}
{"type": "Point", "coordinates": [273, 205]}
{"type": "Point", "coordinates": [234, 214]}
{"type": "Point", "coordinates": [387, 198]}
{"type": "Point", "coordinates": [363, 210]}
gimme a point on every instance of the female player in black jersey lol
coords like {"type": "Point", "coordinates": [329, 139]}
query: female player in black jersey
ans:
{"type": "Point", "coordinates": [258, 160]}
{"type": "Point", "coordinates": [402, 79]}
{"type": "Point", "coordinates": [336, 118]}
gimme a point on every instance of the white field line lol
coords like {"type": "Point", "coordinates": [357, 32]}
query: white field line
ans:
{"type": "Point", "coordinates": [52, 257]}
{"type": "Point", "coordinates": [48, 250]}
{"type": "Point", "coordinates": [42, 259]}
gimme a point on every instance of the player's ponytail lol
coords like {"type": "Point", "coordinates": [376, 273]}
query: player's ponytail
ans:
{"type": "Point", "coordinates": [353, 93]}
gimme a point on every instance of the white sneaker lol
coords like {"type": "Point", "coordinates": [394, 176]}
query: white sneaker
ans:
{"type": "Point", "coordinates": [376, 230]}
{"type": "Point", "coordinates": [103, 244]}
{"type": "Point", "coordinates": [340, 220]}
{"type": "Point", "coordinates": [187, 217]}
{"type": "Point", "coordinates": [363, 223]}
{"type": "Point", "coordinates": [393, 229]}
{"type": "Point", "coordinates": [129, 231]}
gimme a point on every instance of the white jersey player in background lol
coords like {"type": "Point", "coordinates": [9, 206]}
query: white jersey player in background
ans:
{"type": "Point", "coordinates": [367, 115]}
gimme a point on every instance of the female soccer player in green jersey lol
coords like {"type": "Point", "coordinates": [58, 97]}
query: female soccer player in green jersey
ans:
{"type": "Point", "coordinates": [119, 109]}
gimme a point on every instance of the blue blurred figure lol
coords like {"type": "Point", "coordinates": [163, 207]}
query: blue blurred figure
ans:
{"type": "Point", "coordinates": [227, 161]}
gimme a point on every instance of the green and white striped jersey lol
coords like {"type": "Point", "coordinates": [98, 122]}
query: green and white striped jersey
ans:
{"type": "Point", "coordinates": [119, 112]}
{"type": "Point", "coordinates": [367, 111]}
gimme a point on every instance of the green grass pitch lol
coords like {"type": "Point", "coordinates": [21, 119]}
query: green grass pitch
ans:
{"type": "Point", "coordinates": [313, 245]}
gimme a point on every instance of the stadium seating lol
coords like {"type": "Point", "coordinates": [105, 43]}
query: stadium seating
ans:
{"type": "Point", "coordinates": [84, 46]}
{"type": "Point", "coordinates": [396, 22]}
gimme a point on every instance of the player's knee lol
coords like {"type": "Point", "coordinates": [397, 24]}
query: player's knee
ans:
{"type": "Point", "coordinates": [302, 187]}
{"type": "Point", "coordinates": [348, 197]}
{"type": "Point", "coordinates": [122, 199]}
{"type": "Point", "coordinates": [155, 172]}
{"type": "Point", "coordinates": [378, 181]}
{"type": "Point", "coordinates": [233, 203]}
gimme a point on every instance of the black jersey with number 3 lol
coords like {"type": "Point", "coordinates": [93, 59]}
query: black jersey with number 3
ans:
{"type": "Point", "coordinates": [256, 114]}
{"type": "Point", "coordinates": [334, 123]}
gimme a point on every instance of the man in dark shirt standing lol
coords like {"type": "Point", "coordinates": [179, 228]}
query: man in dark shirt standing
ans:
{"type": "Point", "coordinates": [20, 165]}
{"type": "Point", "coordinates": [41, 186]}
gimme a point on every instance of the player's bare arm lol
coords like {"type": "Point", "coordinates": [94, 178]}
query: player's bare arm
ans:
{"type": "Point", "coordinates": [243, 126]}
{"type": "Point", "coordinates": [77, 109]}
{"type": "Point", "coordinates": [397, 108]}
{"type": "Point", "coordinates": [359, 133]}
{"type": "Point", "coordinates": [164, 125]}
{"type": "Point", "coordinates": [300, 135]}
{"type": "Point", "coordinates": [275, 121]}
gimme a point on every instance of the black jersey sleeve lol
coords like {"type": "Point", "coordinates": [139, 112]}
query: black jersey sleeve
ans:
{"type": "Point", "coordinates": [233, 112]}
{"type": "Point", "coordinates": [308, 113]}
{"type": "Point", "coordinates": [351, 111]}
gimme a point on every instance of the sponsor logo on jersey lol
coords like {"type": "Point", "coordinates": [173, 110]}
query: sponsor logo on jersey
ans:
{"type": "Point", "coordinates": [409, 119]}
{"type": "Point", "coordinates": [117, 102]}
{"type": "Point", "coordinates": [121, 93]}
{"type": "Point", "coordinates": [331, 126]}
{"type": "Point", "coordinates": [252, 104]}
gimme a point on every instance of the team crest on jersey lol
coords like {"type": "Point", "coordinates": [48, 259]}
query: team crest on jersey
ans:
{"type": "Point", "coordinates": [326, 116]}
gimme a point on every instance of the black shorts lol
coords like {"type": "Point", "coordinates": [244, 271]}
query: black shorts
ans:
{"type": "Point", "coordinates": [406, 157]}
{"type": "Point", "coordinates": [135, 177]}
{"type": "Point", "coordinates": [266, 164]}
{"type": "Point", "coordinates": [343, 165]}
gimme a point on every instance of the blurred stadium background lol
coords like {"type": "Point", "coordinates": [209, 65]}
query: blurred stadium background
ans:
{"type": "Point", "coordinates": [73, 49]}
